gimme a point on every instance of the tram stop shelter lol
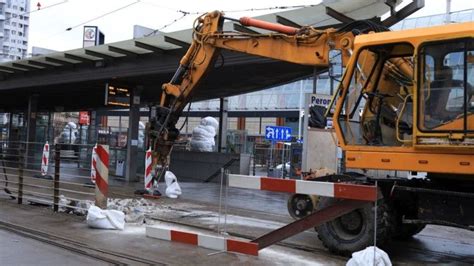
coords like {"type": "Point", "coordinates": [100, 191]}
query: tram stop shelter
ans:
{"type": "Point", "coordinates": [76, 80]}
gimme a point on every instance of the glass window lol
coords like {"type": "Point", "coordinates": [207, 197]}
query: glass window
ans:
{"type": "Point", "coordinates": [380, 83]}
{"type": "Point", "coordinates": [446, 93]}
{"type": "Point", "coordinates": [470, 85]}
{"type": "Point", "coordinates": [350, 116]}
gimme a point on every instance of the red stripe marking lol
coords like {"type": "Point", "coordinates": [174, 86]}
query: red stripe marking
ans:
{"type": "Point", "coordinates": [148, 170]}
{"type": "Point", "coordinates": [184, 237]}
{"type": "Point", "coordinates": [278, 185]}
{"type": "Point", "coordinates": [103, 155]}
{"type": "Point", "coordinates": [101, 184]}
{"type": "Point", "coordinates": [248, 248]}
{"type": "Point", "coordinates": [46, 148]}
{"type": "Point", "coordinates": [356, 192]}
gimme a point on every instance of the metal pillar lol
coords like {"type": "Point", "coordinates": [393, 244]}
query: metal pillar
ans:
{"type": "Point", "coordinates": [315, 80]}
{"type": "Point", "coordinates": [92, 130]}
{"type": "Point", "coordinates": [223, 114]}
{"type": "Point", "coordinates": [31, 127]}
{"type": "Point", "coordinates": [132, 139]}
{"type": "Point", "coordinates": [300, 107]}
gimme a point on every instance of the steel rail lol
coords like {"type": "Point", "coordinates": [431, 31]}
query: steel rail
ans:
{"type": "Point", "coordinates": [76, 246]}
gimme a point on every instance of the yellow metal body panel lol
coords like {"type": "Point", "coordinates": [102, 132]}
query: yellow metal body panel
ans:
{"type": "Point", "coordinates": [419, 161]}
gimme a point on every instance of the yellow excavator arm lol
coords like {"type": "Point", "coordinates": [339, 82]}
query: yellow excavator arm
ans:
{"type": "Point", "coordinates": [303, 46]}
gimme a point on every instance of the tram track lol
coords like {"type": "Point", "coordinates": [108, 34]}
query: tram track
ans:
{"type": "Point", "coordinates": [108, 256]}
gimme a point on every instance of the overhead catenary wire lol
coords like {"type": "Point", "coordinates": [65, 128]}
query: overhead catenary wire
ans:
{"type": "Point", "coordinates": [182, 12]}
{"type": "Point", "coordinates": [186, 13]}
{"type": "Point", "coordinates": [103, 15]}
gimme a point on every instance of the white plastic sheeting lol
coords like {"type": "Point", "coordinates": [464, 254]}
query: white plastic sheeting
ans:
{"type": "Point", "coordinates": [105, 219]}
{"type": "Point", "coordinates": [366, 257]}
{"type": "Point", "coordinates": [173, 190]}
{"type": "Point", "coordinates": [203, 135]}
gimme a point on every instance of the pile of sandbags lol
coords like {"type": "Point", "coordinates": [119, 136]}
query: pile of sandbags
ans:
{"type": "Point", "coordinates": [203, 135]}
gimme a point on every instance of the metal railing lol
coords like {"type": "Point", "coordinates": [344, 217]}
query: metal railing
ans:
{"type": "Point", "coordinates": [65, 185]}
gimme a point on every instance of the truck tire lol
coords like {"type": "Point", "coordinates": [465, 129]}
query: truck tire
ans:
{"type": "Point", "coordinates": [355, 231]}
{"type": "Point", "coordinates": [406, 231]}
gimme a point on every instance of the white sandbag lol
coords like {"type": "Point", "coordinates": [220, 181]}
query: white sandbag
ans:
{"type": "Point", "coordinates": [366, 257]}
{"type": "Point", "coordinates": [203, 135]}
{"type": "Point", "coordinates": [173, 190]}
{"type": "Point", "coordinates": [105, 219]}
{"type": "Point", "coordinates": [210, 121]}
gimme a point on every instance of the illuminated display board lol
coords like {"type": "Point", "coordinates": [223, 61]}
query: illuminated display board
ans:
{"type": "Point", "coordinates": [117, 96]}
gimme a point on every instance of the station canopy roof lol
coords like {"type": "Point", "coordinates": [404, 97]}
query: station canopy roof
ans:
{"type": "Point", "coordinates": [76, 79]}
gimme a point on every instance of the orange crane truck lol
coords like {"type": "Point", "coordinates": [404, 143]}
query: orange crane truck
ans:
{"type": "Point", "coordinates": [415, 90]}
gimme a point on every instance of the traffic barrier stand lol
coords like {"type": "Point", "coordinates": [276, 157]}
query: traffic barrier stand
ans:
{"type": "Point", "coordinates": [44, 163]}
{"type": "Point", "coordinates": [45, 159]}
{"type": "Point", "coordinates": [151, 185]}
{"type": "Point", "coordinates": [150, 190]}
{"type": "Point", "coordinates": [102, 176]}
{"type": "Point", "coordinates": [93, 164]}
{"type": "Point", "coordinates": [353, 196]}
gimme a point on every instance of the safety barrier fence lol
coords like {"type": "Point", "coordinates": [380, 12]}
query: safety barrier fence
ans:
{"type": "Point", "coordinates": [52, 175]}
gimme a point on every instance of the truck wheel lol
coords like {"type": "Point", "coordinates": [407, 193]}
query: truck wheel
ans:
{"type": "Point", "coordinates": [301, 205]}
{"type": "Point", "coordinates": [406, 231]}
{"type": "Point", "coordinates": [355, 230]}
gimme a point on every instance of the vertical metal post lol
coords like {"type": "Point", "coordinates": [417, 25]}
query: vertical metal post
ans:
{"type": "Point", "coordinates": [448, 12]}
{"type": "Point", "coordinates": [57, 168]}
{"type": "Point", "coordinates": [20, 178]}
{"type": "Point", "coordinates": [315, 80]}
{"type": "Point", "coordinates": [283, 164]}
{"type": "Point", "coordinates": [220, 202]}
{"type": "Point", "coordinates": [223, 124]}
{"type": "Point", "coordinates": [375, 224]}
{"type": "Point", "coordinates": [254, 156]}
{"type": "Point", "coordinates": [300, 107]}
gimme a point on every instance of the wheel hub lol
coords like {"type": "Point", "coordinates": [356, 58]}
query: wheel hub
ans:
{"type": "Point", "coordinates": [351, 222]}
{"type": "Point", "coordinates": [300, 206]}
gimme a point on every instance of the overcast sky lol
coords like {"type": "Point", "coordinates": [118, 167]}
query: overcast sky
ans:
{"type": "Point", "coordinates": [48, 26]}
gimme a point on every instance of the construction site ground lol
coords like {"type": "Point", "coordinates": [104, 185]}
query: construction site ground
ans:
{"type": "Point", "coordinates": [250, 214]}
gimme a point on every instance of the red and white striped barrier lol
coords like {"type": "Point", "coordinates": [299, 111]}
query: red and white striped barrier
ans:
{"type": "Point", "coordinates": [205, 241]}
{"type": "Point", "coordinates": [102, 176]}
{"type": "Point", "coordinates": [45, 159]}
{"type": "Point", "coordinates": [93, 163]}
{"type": "Point", "coordinates": [319, 188]}
{"type": "Point", "coordinates": [148, 168]}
